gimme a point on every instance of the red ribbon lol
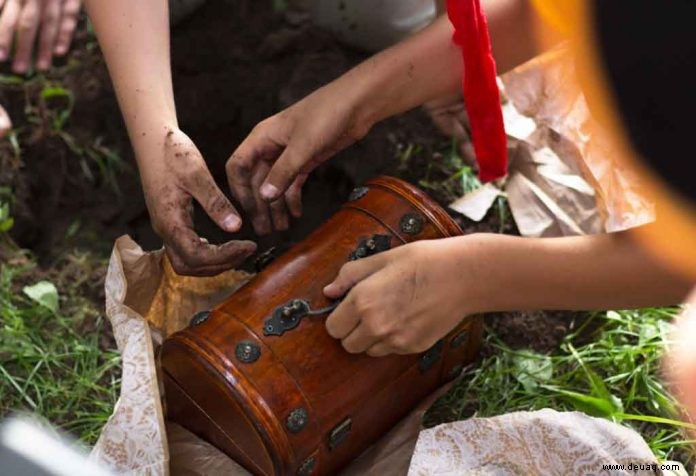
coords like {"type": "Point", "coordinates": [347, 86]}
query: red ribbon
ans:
{"type": "Point", "coordinates": [481, 95]}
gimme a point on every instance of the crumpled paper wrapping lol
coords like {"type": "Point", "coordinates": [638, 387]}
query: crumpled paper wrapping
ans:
{"type": "Point", "coordinates": [145, 302]}
{"type": "Point", "coordinates": [563, 179]}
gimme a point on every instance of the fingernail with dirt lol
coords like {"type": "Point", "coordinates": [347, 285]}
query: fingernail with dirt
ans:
{"type": "Point", "coordinates": [231, 223]}
{"type": "Point", "coordinates": [269, 192]}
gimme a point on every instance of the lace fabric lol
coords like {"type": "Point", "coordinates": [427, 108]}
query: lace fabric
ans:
{"type": "Point", "coordinates": [529, 443]}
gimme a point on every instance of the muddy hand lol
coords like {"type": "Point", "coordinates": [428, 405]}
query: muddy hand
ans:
{"type": "Point", "coordinates": [48, 25]}
{"type": "Point", "coordinates": [170, 189]}
{"type": "Point", "coordinates": [268, 169]}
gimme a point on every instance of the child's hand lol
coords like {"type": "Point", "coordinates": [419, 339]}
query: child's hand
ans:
{"type": "Point", "coordinates": [268, 169]}
{"type": "Point", "coordinates": [399, 302]}
{"type": "Point", "coordinates": [170, 186]}
{"type": "Point", "coordinates": [23, 22]}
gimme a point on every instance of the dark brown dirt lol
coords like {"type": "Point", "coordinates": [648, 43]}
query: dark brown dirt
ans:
{"type": "Point", "coordinates": [235, 63]}
{"type": "Point", "coordinates": [541, 331]}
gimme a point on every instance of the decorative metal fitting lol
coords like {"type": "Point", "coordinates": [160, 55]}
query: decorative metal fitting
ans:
{"type": "Point", "coordinates": [411, 223]}
{"type": "Point", "coordinates": [307, 467]}
{"type": "Point", "coordinates": [247, 352]}
{"type": "Point", "coordinates": [199, 318]}
{"type": "Point", "coordinates": [431, 356]}
{"type": "Point", "coordinates": [264, 259]}
{"type": "Point", "coordinates": [297, 420]}
{"type": "Point", "coordinates": [288, 316]}
{"type": "Point", "coordinates": [340, 432]}
{"type": "Point", "coordinates": [357, 193]}
{"type": "Point", "coordinates": [454, 372]}
{"type": "Point", "coordinates": [459, 339]}
{"type": "Point", "coordinates": [371, 246]}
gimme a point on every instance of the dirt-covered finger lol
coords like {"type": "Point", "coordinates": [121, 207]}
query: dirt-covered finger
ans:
{"type": "Point", "coordinates": [175, 226]}
{"type": "Point", "coordinates": [293, 197]}
{"type": "Point", "coordinates": [240, 187]}
{"type": "Point", "coordinates": [284, 172]}
{"type": "Point", "coordinates": [183, 269]}
{"type": "Point", "coordinates": [198, 254]}
{"type": "Point", "coordinates": [261, 219]}
{"type": "Point", "coordinates": [279, 215]}
{"type": "Point", "coordinates": [243, 164]}
{"type": "Point", "coordinates": [206, 192]}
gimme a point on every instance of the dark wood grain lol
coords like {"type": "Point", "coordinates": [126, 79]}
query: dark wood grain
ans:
{"type": "Point", "coordinates": [242, 408]}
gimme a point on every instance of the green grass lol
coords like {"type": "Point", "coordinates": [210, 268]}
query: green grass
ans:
{"type": "Point", "coordinates": [54, 358]}
{"type": "Point", "coordinates": [609, 367]}
{"type": "Point", "coordinates": [443, 173]}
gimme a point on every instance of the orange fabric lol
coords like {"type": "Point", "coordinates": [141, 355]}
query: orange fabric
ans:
{"type": "Point", "coordinates": [673, 238]}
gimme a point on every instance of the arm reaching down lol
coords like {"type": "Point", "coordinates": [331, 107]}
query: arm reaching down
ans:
{"type": "Point", "coordinates": [267, 170]}
{"type": "Point", "coordinates": [134, 37]}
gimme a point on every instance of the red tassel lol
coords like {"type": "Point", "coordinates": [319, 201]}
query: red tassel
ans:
{"type": "Point", "coordinates": [481, 95]}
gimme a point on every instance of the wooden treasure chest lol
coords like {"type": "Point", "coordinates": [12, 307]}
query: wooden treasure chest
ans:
{"type": "Point", "coordinates": [260, 378]}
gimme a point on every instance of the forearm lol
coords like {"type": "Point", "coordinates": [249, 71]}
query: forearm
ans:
{"type": "Point", "coordinates": [429, 65]}
{"type": "Point", "coordinates": [574, 273]}
{"type": "Point", "coordinates": [134, 37]}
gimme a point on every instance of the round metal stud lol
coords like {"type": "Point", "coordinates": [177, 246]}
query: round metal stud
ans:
{"type": "Point", "coordinates": [297, 420]}
{"type": "Point", "coordinates": [358, 192]}
{"type": "Point", "coordinates": [411, 223]}
{"type": "Point", "coordinates": [247, 352]}
{"type": "Point", "coordinates": [307, 467]}
{"type": "Point", "coordinates": [459, 339]}
{"type": "Point", "coordinates": [199, 318]}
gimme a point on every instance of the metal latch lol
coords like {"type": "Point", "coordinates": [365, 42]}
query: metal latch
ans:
{"type": "Point", "coordinates": [288, 316]}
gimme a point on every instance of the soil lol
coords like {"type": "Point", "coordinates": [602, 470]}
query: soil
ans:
{"type": "Point", "coordinates": [234, 63]}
